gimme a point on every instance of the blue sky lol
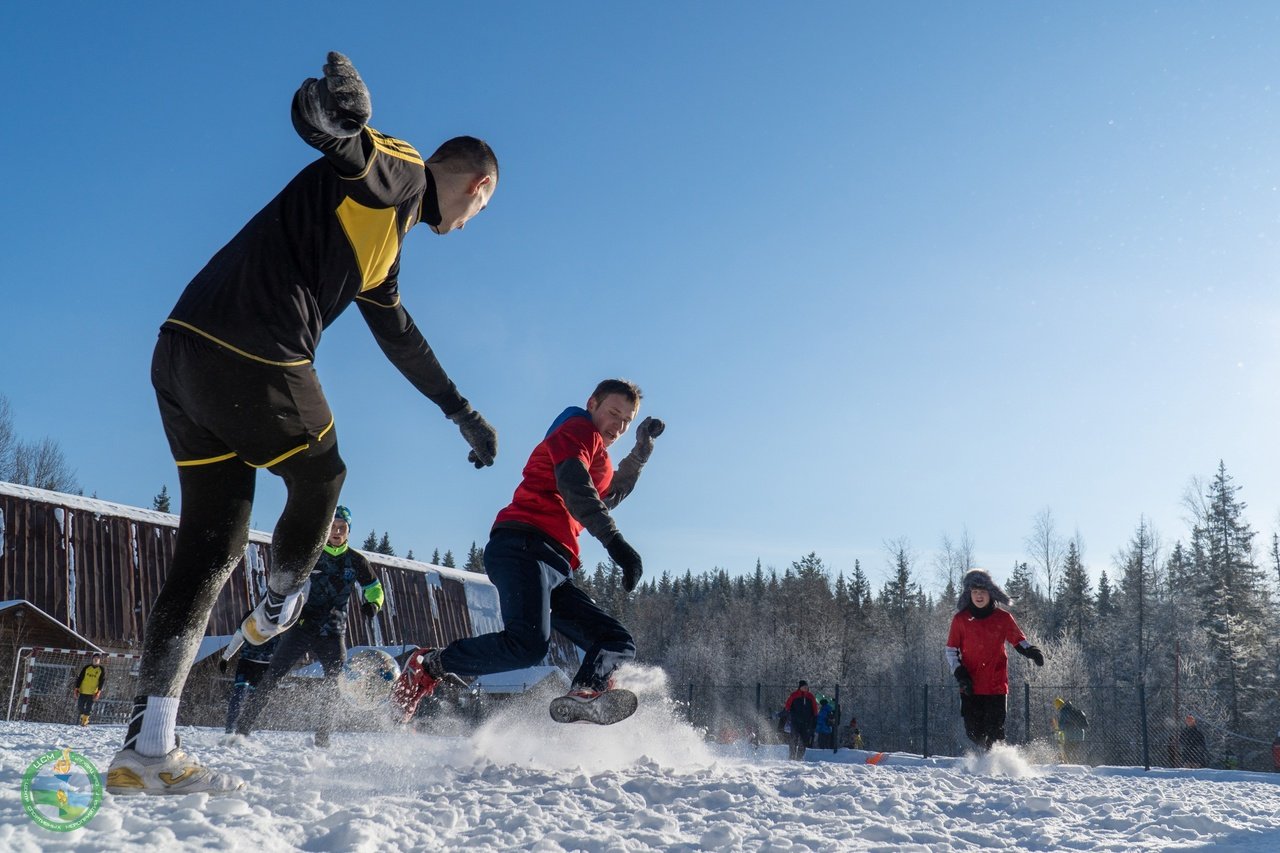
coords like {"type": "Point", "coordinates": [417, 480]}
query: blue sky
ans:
{"type": "Point", "coordinates": [888, 271]}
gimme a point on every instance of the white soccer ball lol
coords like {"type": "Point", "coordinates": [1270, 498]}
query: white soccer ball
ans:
{"type": "Point", "coordinates": [368, 677]}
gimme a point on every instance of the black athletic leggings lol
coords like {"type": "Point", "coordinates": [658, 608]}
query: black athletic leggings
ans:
{"type": "Point", "coordinates": [212, 534]}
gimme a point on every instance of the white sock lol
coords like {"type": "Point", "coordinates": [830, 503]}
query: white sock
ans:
{"type": "Point", "coordinates": [158, 723]}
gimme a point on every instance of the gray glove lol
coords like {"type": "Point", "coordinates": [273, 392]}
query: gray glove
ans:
{"type": "Point", "coordinates": [649, 429]}
{"type": "Point", "coordinates": [339, 105]}
{"type": "Point", "coordinates": [482, 437]}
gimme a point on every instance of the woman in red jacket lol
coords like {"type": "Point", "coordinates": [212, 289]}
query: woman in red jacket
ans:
{"type": "Point", "coordinates": [975, 652]}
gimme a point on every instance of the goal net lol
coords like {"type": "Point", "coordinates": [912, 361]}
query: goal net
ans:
{"type": "Point", "coordinates": [45, 685]}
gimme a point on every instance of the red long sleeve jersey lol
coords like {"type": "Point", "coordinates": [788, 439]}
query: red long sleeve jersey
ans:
{"type": "Point", "coordinates": [981, 645]}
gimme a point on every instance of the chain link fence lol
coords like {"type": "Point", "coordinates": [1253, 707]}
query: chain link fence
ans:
{"type": "Point", "coordinates": [1128, 725]}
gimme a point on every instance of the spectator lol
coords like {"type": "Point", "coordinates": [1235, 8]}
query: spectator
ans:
{"type": "Point", "coordinates": [802, 711]}
{"type": "Point", "coordinates": [975, 652]}
{"type": "Point", "coordinates": [1191, 744]}
{"type": "Point", "coordinates": [853, 735]}
{"type": "Point", "coordinates": [1071, 730]}
{"type": "Point", "coordinates": [89, 684]}
{"type": "Point", "coordinates": [826, 714]}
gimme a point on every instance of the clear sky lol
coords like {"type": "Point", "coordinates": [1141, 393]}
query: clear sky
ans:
{"type": "Point", "coordinates": [888, 271]}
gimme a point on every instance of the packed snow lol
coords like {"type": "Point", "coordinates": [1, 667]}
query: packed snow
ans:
{"type": "Point", "coordinates": [521, 781]}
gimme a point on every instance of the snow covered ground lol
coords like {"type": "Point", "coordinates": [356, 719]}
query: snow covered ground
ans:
{"type": "Point", "coordinates": [650, 783]}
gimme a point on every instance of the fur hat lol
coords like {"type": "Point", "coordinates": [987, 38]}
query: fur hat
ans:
{"type": "Point", "coordinates": [979, 579]}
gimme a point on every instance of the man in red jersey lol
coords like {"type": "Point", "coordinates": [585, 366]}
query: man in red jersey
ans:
{"type": "Point", "coordinates": [569, 484]}
{"type": "Point", "coordinates": [975, 651]}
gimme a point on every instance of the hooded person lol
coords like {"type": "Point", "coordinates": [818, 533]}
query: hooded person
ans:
{"type": "Point", "coordinates": [975, 652]}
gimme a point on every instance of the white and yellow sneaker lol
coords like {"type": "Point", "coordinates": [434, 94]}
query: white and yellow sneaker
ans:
{"type": "Point", "coordinates": [274, 615]}
{"type": "Point", "coordinates": [172, 773]}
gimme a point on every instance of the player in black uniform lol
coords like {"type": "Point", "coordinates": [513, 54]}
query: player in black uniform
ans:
{"type": "Point", "coordinates": [250, 668]}
{"type": "Point", "coordinates": [322, 627]}
{"type": "Point", "coordinates": [237, 391]}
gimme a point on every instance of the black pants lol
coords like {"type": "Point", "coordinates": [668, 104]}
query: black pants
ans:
{"type": "Point", "coordinates": [248, 674]}
{"type": "Point", "coordinates": [537, 595]}
{"type": "Point", "coordinates": [329, 649]}
{"type": "Point", "coordinates": [201, 391]}
{"type": "Point", "coordinates": [800, 740]}
{"type": "Point", "coordinates": [984, 717]}
{"type": "Point", "coordinates": [84, 704]}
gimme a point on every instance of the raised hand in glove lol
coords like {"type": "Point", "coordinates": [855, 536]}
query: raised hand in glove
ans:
{"type": "Point", "coordinates": [1031, 652]}
{"type": "Point", "coordinates": [966, 680]}
{"type": "Point", "coordinates": [339, 104]}
{"type": "Point", "coordinates": [649, 429]}
{"type": "Point", "coordinates": [482, 437]}
{"type": "Point", "coordinates": [627, 558]}
{"type": "Point", "coordinates": [369, 609]}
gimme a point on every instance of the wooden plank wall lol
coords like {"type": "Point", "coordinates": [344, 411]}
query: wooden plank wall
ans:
{"type": "Point", "coordinates": [97, 568]}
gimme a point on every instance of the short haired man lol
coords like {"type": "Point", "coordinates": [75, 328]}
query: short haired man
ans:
{"type": "Point", "coordinates": [568, 485]}
{"type": "Point", "coordinates": [322, 627]}
{"type": "Point", "coordinates": [237, 391]}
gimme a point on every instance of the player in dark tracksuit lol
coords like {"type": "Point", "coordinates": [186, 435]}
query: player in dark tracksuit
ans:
{"type": "Point", "coordinates": [568, 485]}
{"type": "Point", "coordinates": [322, 628]}
{"type": "Point", "coordinates": [250, 668]}
{"type": "Point", "coordinates": [233, 376]}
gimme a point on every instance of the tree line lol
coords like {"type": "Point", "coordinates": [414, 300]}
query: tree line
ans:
{"type": "Point", "coordinates": [30, 462]}
{"type": "Point", "coordinates": [1197, 614]}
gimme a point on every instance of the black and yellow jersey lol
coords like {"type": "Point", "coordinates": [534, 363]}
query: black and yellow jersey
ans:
{"type": "Point", "coordinates": [332, 236]}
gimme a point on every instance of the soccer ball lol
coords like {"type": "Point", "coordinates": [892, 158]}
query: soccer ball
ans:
{"type": "Point", "coordinates": [368, 677]}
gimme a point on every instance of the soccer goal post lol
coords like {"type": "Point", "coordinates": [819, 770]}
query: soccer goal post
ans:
{"type": "Point", "coordinates": [45, 681]}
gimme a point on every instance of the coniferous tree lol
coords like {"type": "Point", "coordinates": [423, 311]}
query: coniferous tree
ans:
{"type": "Point", "coordinates": [370, 542]}
{"type": "Point", "coordinates": [435, 557]}
{"type": "Point", "coordinates": [1138, 563]}
{"type": "Point", "coordinates": [384, 545]}
{"type": "Point", "coordinates": [409, 556]}
{"type": "Point", "coordinates": [475, 560]}
{"type": "Point", "coordinates": [160, 503]}
{"type": "Point", "coordinates": [1074, 602]}
{"type": "Point", "coordinates": [448, 560]}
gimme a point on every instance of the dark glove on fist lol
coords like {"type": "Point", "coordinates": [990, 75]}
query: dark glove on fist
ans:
{"type": "Point", "coordinates": [482, 437]}
{"type": "Point", "coordinates": [339, 105]}
{"type": "Point", "coordinates": [649, 429]}
{"type": "Point", "coordinates": [1031, 652]}
{"type": "Point", "coordinates": [628, 559]}
{"type": "Point", "coordinates": [966, 680]}
{"type": "Point", "coordinates": [369, 609]}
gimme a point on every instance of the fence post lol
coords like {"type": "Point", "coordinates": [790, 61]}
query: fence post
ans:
{"type": "Point", "coordinates": [757, 698]}
{"type": "Point", "coordinates": [690, 703]}
{"type": "Point", "coordinates": [1026, 710]}
{"type": "Point", "coordinates": [1142, 708]}
{"type": "Point", "coordinates": [925, 720]}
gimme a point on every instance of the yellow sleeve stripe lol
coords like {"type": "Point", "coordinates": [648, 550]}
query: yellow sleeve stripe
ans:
{"type": "Point", "coordinates": [395, 147]}
{"type": "Point", "coordinates": [237, 350]}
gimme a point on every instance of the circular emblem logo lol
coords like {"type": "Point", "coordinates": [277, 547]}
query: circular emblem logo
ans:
{"type": "Point", "coordinates": [61, 790]}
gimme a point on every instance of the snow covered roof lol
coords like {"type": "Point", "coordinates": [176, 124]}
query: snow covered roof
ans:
{"type": "Point", "coordinates": [18, 602]}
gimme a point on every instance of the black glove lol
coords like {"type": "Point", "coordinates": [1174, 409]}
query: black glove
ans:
{"type": "Point", "coordinates": [966, 680]}
{"type": "Point", "coordinates": [222, 664]}
{"type": "Point", "coordinates": [626, 557]}
{"type": "Point", "coordinates": [339, 105]}
{"type": "Point", "coordinates": [482, 437]}
{"type": "Point", "coordinates": [649, 429]}
{"type": "Point", "coordinates": [1031, 652]}
{"type": "Point", "coordinates": [369, 609]}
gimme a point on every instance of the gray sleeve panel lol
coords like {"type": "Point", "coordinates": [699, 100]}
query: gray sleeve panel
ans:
{"type": "Point", "coordinates": [624, 479]}
{"type": "Point", "coordinates": [583, 501]}
{"type": "Point", "coordinates": [953, 657]}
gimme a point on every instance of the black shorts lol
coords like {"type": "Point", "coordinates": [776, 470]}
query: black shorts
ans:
{"type": "Point", "coordinates": [216, 405]}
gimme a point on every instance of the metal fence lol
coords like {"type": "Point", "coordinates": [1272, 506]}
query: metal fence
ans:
{"type": "Point", "coordinates": [1129, 725]}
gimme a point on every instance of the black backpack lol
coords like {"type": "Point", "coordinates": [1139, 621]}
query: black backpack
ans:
{"type": "Point", "coordinates": [1075, 717]}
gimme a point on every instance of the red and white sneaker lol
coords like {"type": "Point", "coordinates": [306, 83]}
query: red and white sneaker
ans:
{"type": "Point", "coordinates": [422, 673]}
{"type": "Point", "coordinates": [603, 707]}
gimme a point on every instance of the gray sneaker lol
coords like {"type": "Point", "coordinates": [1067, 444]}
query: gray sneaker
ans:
{"type": "Point", "coordinates": [172, 773]}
